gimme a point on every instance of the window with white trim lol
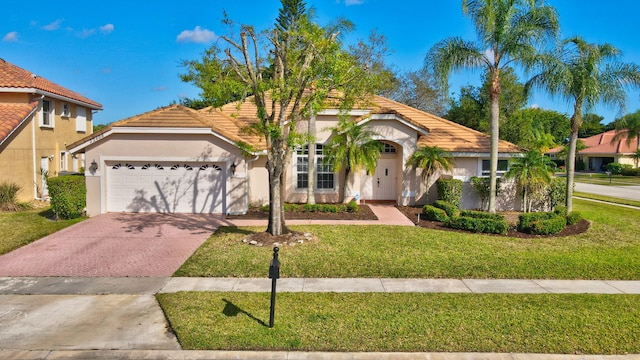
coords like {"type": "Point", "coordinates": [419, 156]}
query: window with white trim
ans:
{"type": "Point", "coordinates": [81, 119]}
{"type": "Point", "coordinates": [503, 166]}
{"type": "Point", "coordinates": [324, 172]}
{"type": "Point", "coordinates": [47, 113]}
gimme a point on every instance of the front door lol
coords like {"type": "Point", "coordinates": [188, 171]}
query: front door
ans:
{"type": "Point", "coordinates": [44, 172]}
{"type": "Point", "coordinates": [384, 180]}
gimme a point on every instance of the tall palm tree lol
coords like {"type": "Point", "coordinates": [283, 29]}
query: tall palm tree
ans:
{"type": "Point", "coordinates": [585, 74]}
{"type": "Point", "coordinates": [353, 148]}
{"type": "Point", "coordinates": [531, 172]}
{"type": "Point", "coordinates": [628, 129]}
{"type": "Point", "coordinates": [509, 32]}
{"type": "Point", "coordinates": [431, 159]}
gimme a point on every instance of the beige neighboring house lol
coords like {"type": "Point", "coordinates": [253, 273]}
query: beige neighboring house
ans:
{"type": "Point", "coordinates": [602, 150]}
{"type": "Point", "coordinates": [175, 159]}
{"type": "Point", "coordinates": [38, 119]}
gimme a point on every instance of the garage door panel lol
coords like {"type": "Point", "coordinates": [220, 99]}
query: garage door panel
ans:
{"type": "Point", "coordinates": [180, 188]}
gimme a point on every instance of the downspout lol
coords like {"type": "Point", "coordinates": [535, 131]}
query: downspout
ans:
{"type": "Point", "coordinates": [33, 149]}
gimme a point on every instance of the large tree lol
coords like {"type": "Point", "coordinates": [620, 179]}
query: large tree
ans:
{"type": "Point", "coordinates": [524, 127]}
{"type": "Point", "coordinates": [419, 90]}
{"type": "Point", "coordinates": [275, 69]}
{"type": "Point", "coordinates": [509, 32]}
{"type": "Point", "coordinates": [585, 74]}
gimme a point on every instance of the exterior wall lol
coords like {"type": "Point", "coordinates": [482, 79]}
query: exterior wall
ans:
{"type": "Point", "coordinates": [165, 147]}
{"type": "Point", "coordinates": [17, 161]}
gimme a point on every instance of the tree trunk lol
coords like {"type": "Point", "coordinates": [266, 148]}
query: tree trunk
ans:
{"type": "Point", "coordinates": [275, 167]}
{"type": "Point", "coordinates": [494, 132]}
{"type": "Point", "coordinates": [345, 191]}
{"type": "Point", "coordinates": [576, 122]}
{"type": "Point", "coordinates": [311, 174]}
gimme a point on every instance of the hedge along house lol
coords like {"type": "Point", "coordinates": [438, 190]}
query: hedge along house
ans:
{"type": "Point", "coordinates": [175, 159]}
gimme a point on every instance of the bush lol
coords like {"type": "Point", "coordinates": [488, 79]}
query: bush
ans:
{"type": "Point", "coordinates": [479, 225]}
{"type": "Point", "coordinates": [580, 165]}
{"type": "Point", "coordinates": [615, 168]}
{"type": "Point", "coordinates": [450, 190]}
{"type": "Point", "coordinates": [352, 207]}
{"type": "Point", "coordinates": [561, 210]}
{"type": "Point", "coordinates": [68, 196]}
{"type": "Point", "coordinates": [449, 208]}
{"type": "Point", "coordinates": [574, 218]}
{"type": "Point", "coordinates": [542, 223]}
{"type": "Point", "coordinates": [480, 186]}
{"type": "Point", "coordinates": [481, 215]}
{"type": "Point", "coordinates": [8, 196]}
{"type": "Point", "coordinates": [557, 192]}
{"type": "Point", "coordinates": [434, 214]}
{"type": "Point", "coordinates": [630, 172]}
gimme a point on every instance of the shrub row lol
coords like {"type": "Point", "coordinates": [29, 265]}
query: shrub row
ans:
{"type": "Point", "coordinates": [449, 208]}
{"type": "Point", "coordinates": [68, 196]}
{"type": "Point", "coordinates": [546, 223]}
{"type": "Point", "coordinates": [479, 225]}
{"type": "Point", "coordinates": [434, 214]}
{"type": "Point", "coordinates": [351, 207]}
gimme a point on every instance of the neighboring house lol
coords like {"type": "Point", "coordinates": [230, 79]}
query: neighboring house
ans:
{"type": "Point", "coordinates": [175, 159]}
{"type": "Point", "coordinates": [38, 118]}
{"type": "Point", "coordinates": [602, 150]}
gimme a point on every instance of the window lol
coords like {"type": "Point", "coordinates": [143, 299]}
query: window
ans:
{"type": "Point", "coordinates": [324, 172]}
{"type": "Point", "coordinates": [66, 112]}
{"type": "Point", "coordinates": [81, 119]}
{"type": "Point", "coordinates": [503, 166]}
{"type": "Point", "coordinates": [47, 113]}
{"type": "Point", "coordinates": [388, 148]}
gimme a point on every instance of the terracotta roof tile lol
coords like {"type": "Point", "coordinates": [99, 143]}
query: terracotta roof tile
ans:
{"type": "Point", "coordinates": [12, 115]}
{"type": "Point", "coordinates": [602, 144]}
{"type": "Point", "coordinates": [12, 76]}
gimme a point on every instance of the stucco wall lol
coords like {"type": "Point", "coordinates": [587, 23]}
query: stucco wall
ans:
{"type": "Point", "coordinates": [16, 161]}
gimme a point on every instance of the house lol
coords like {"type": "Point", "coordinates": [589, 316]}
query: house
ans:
{"type": "Point", "coordinates": [38, 119]}
{"type": "Point", "coordinates": [601, 150]}
{"type": "Point", "coordinates": [175, 159]}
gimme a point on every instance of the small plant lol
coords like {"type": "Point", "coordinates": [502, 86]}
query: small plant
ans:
{"type": "Point", "coordinates": [450, 190]}
{"type": "Point", "coordinates": [574, 218]}
{"type": "Point", "coordinates": [480, 186]}
{"type": "Point", "coordinates": [449, 208]}
{"type": "Point", "coordinates": [542, 223]}
{"type": "Point", "coordinates": [8, 196]}
{"type": "Point", "coordinates": [352, 207]}
{"type": "Point", "coordinates": [434, 214]}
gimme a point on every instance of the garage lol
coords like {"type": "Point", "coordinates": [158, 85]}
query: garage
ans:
{"type": "Point", "coordinates": [155, 186]}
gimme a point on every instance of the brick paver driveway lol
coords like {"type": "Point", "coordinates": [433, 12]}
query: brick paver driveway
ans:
{"type": "Point", "coordinates": [115, 244]}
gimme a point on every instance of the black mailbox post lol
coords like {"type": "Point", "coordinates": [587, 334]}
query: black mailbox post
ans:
{"type": "Point", "coordinates": [274, 274]}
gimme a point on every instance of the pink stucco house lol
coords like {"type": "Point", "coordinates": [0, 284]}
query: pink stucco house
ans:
{"type": "Point", "coordinates": [175, 159]}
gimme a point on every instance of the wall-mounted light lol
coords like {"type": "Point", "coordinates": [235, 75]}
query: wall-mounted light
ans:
{"type": "Point", "coordinates": [94, 167]}
{"type": "Point", "coordinates": [232, 168]}
{"type": "Point", "coordinates": [50, 157]}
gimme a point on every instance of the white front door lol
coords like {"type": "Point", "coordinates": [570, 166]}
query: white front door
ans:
{"type": "Point", "coordinates": [44, 172]}
{"type": "Point", "coordinates": [384, 180]}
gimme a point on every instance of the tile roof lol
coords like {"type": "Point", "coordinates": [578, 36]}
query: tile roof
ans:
{"type": "Point", "coordinates": [232, 121]}
{"type": "Point", "coordinates": [12, 76]}
{"type": "Point", "coordinates": [12, 115]}
{"type": "Point", "coordinates": [602, 144]}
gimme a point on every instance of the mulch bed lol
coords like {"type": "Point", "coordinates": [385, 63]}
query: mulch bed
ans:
{"type": "Point", "coordinates": [511, 217]}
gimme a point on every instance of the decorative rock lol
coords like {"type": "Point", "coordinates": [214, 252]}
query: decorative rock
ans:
{"type": "Point", "coordinates": [253, 242]}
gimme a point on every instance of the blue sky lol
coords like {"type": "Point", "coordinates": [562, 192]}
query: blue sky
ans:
{"type": "Point", "coordinates": [127, 54]}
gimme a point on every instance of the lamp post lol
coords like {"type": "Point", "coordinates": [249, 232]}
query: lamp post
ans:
{"type": "Point", "coordinates": [274, 275]}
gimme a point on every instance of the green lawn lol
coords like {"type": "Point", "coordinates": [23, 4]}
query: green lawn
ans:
{"type": "Point", "coordinates": [607, 198]}
{"type": "Point", "coordinates": [20, 228]}
{"type": "Point", "coordinates": [609, 250]}
{"type": "Point", "coordinates": [603, 179]}
{"type": "Point", "coordinates": [506, 323]}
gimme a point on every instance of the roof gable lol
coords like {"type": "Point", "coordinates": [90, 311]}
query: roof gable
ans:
{"type": "Point", "coordinates": [14, 77]}
{"type": "Point", "coordinates": [12, 115]}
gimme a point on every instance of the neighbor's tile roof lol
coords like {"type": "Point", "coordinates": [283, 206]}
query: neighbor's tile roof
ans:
{"type": "Point", "coordinates": [12, 76]}
{"type": "Point", "coordinates": [603, 144]}
{"type": "Point", "coordinates": [12, 115]}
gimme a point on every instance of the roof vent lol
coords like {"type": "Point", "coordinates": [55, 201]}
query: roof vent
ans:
{"type": "Point", "coordinates": [34, 76]}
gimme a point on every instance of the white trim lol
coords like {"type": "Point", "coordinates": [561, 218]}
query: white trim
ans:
{"type": "Point", "coordinates": [339, 112]}
{"type": "Point", "coordinates": [48, 94]}
{"type": "Point", "coordinates": [396, 118]}
{"type": "Point", "coordinates": [484, 155]}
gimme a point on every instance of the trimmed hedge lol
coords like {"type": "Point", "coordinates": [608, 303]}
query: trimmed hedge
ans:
{"type": "Point", "coordinates": [450, 190]}
{"type": "Point", "coordinates": [449, 208]}
{"type": "Point", "coordinates": [543, 223]}
{"type": "Point", "coordinates": [574, 218]}
{"type": "Point", "coordinates": [481, 215]}
{"type": "Point", "coordinates": [68, 196]}
{"type": "Point", "coordinates": [478, 225]}
{"type": "Point", "coordinates": [434, 214]}
{"type": "Point", "coordinates": [323, 208]}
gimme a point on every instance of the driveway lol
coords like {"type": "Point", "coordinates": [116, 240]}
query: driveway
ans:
{"type": "Point", "coordinates": [114, 244]}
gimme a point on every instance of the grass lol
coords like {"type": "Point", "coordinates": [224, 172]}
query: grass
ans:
{"type": "Point", "coordinates": [609, 250]}
{"type": "Point", "coordinates": [505, 323]}
{"type": "Point", "coordinates": [21, 228]}
{"type": "Point", "coordinates": [603, 179]}
{"type": "Point", "coordinates": [607, 198]}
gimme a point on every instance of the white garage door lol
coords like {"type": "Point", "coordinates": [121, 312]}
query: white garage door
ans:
{"type": "Point", "coordinates": [165, 187]}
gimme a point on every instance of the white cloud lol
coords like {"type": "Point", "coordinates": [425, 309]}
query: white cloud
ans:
{"type": "Point", "coordinates": [85, 33]}
{"type": "Point", "coordinates": [53, 26]}
{"type": "Point", "coordinates": [353, 2]}
{"type": "Point", "coordinates": [11, 37]}
{"type": "Point", "coordinates": [535, 106]}
{"type": "Point", "coordinates": [197, 35]}
{"type": "Point", "coordinates": [106, 29]}
{"type": "Point", "coordinates": [160, 88]}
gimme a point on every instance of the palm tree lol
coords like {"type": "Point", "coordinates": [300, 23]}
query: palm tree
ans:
{"type": "Point", "coordinates": [509, 31]}
{"type": "Point", "coordinates": [531, 172]}
{"type": "Point", "coordinates": [585, 74]}
{"type": "Point", "coordinates": [431, 159]}
{"type": "Point", "coordinates": [353, 148]}
{"type": "Point", "coordinates": [628, 129]}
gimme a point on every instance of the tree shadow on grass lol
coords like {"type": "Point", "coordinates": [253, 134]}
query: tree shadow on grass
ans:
{"type": "Point", "coordinates": [231, 310]}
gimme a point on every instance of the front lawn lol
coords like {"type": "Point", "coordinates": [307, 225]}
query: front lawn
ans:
{"type": "Point", "coordinates": [604, 179]}
{"type": "Point", "coordinates": [20, 228]}
{"type": "Point", "coordinates": [609, 250]}
{"type": "Point", "coordinates": [505, 323]}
